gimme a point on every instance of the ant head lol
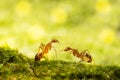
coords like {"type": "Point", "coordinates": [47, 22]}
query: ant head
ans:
{"type": "Point", "coordinates": [67, 49]}
{"type": "Point", "coordinates": [55, 41]}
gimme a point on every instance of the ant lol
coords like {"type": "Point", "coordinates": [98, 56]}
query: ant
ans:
{"type": "Point", "coordinates": [45, 49]}
{"type": "Point", "coordinates": [39, 54]}
{"type": "Point", "coordinates": [84, 55]}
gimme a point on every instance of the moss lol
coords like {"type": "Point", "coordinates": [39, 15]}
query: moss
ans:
{"type": "Point", "coordinates": [70, 70]}
{"type": "Point", "coordinates": [8, 55]}
{"type": "Point", "coordinates": [14, 65]}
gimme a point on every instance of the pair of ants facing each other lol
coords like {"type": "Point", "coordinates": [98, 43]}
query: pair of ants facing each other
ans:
{"type": "Point", "coordinates": [44, 49]}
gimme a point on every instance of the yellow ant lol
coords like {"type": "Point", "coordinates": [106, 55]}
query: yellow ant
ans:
{"type": "Point", "coordinates": [84, 55]}
{"type": "Point", "coordinates": [44, 49]}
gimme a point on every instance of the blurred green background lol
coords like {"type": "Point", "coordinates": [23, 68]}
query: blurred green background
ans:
{"type": "Point", "coordinates": [81, 24]}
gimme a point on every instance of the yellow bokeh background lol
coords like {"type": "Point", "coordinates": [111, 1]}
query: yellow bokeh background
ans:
{"type": "Point", "coordinates": [23, 8]}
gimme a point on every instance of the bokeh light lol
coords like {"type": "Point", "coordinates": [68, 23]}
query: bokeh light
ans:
{"type": "Point", "coordinates": [59, 15]}
{"type": "Point", "coordinates": [107, 36]}
{"type": "Point", "coordinates": [103, 6]}
{"type": "Point", "coordinates": [23, 8]}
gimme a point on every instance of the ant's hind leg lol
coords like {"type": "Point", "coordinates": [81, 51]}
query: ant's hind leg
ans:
{"type": "Point", "coordinates": [81, 61]}
{"type": "Point", "coordinates": [55, 52]}
{"type": "Point", "coordinates": [74, 59]}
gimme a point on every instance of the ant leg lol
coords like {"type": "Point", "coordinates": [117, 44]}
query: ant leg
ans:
{"type": "Point", "coordinates": [74, 59]}
{"type": "Point", "coordinates": [55, 52]}
{"type": "Point", "coordinates": [41, 47]}
{"type": "Point", "coordinates": [69, 54]}
{"type": "Point", "coordinates": [94, 60]}
{"type": "Point", "coordinates": [81, 61]}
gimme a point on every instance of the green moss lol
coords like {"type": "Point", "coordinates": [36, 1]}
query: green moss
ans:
{"type": "Point", "coordinates": [63, 70]}
{"type": "Point", "coordinates": [14, 65]}
{"type": "Point", "coordinates": [8, 55]}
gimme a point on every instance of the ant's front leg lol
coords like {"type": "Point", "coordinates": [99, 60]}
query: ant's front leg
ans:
{"type": "Point", "coordinates": [81, 60]}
